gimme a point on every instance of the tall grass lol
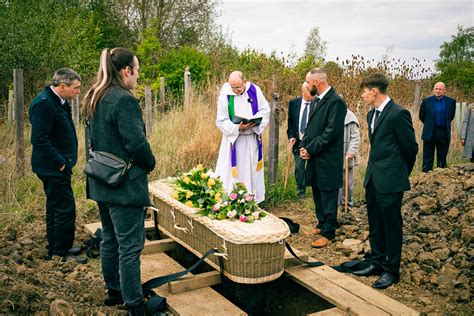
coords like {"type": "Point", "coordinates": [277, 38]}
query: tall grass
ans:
{"type": "Point", "coordinates": [180, 140]}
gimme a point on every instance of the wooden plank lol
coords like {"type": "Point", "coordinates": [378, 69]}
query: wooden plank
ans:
{"type": "Point", "coordinates": [92, 227]}
{"type": "Point", "coordinates": [336, 311]}
{"type": "Point", "coordinates": [203, 301]}
{"type": "Point", "coordinates": [193, 282]}
{"type": "Point", "coordinates": [154, 246]}
{"type": "Point", "coordinates": [334, 294]}
{"type": "Point", "coordinates": [364, 292]}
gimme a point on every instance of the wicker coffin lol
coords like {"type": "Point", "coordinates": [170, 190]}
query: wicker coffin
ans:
{"type": "Point", "coordinates": [253, 253]}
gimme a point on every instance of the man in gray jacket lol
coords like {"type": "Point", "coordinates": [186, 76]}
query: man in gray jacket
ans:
{"type": "Point", "coordinates": [351, 147]}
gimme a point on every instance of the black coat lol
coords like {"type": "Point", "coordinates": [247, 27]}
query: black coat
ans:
{"type": "Point", "coordinates": [427, 116]}
{"type": "Point", "coordinates": [53, 135]}
{"type": "Point", "coordinates": [324, 141]}
{"type": "Point", "coordinates": [393, 149]}
{"type": "Point", "coordinates": [294, 107]}
{"type": "Point", "coordinates": [117, 127]}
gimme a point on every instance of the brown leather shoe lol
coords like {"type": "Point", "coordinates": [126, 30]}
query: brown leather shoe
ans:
{"type": "Point", "coordinates": [320, 243]}
{"type": "Point", "coordinates": [314, 231]}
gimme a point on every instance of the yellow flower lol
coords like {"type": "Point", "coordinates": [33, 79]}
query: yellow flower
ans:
{"type": "Point", "coordinates": [218, 197]}
{"type": "Point", "coordinates": [189, 194]}
{"type": "Point", "coordinates": [175, 196]}
{"type": "Point", "coordinates": [204, 176]}
{"type": "Point", "coordinates": [200, 167]}
{"type": "Point", "coordinates": [186, 180]}
{"type": "Point", "coordinates": [189, 203]}
{"type": "Point", "coordinates": [211, 182]}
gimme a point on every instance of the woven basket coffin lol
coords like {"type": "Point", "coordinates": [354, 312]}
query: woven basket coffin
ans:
{"type": "Point", "coordinates": [252, 252]}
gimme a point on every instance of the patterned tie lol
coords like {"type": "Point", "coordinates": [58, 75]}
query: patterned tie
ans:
{"type": "Point", "coordinates": [304, 118]}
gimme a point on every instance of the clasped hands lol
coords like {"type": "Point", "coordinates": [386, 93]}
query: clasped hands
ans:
{"type": "Point", "coordinates": [243, 126]}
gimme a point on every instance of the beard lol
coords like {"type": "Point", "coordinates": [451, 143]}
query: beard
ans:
{"type": "Point", "coordinates": [313, 91]}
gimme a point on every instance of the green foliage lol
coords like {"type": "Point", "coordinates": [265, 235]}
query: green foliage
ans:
{"type": "Point", "coordinates": [148, 51]}
{"type": "Point", "coordinates": [173, 65]}
{"type": "Point", "coordinates": [315, 46]}
{"type": "Point", "coordinates": [456, 62]}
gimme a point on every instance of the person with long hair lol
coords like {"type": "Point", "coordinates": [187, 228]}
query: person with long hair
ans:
{"type": "Point", "coordinates": [116, 126]}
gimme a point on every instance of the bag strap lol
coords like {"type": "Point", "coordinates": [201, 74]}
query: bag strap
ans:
{"type": "Point", "coordinates": [88, 125]}
{"type": "Point", "coordinates": [310, 264]}
{"type": "Point", "coordinates": [154, 283]}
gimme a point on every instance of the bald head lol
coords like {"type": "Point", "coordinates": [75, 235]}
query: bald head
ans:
{"type": "Point", "coordinates": [439, 89]}
{"type": "Point", "coordinates": [237, 82]}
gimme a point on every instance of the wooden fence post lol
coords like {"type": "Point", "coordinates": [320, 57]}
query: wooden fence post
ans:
{"type": "Point", "coordinates": [187, 88]}
{"type": "Point", "coordinates": [75, 112]}
{"type": "Point", "coordinates": [19, 124]}
{"type": "Point", "coordinates": [416, 97]}
{"type": "Point", "coordinates": [459, 115]}
{"type": "Point", "coordinates": [10, 105]}
{"type": "Point", "coordinates": [162, 93]}
{"type": "Point", "coordinates": [148, 112]}
{"type": "Point", "coordinates": [274, 132]}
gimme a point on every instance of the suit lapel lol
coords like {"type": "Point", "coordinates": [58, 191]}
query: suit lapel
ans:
{"type": "Point", "coordinates": [315, 108]}
{"type": "Point", "coordinates": [370, 116]}
{"type": "Point", "coordinates": [382, 115]}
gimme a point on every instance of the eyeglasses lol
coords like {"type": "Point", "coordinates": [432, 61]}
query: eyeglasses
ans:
{"type": "Point", "coordinates": [238, 87]}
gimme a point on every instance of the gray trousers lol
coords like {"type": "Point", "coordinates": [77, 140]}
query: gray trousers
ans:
{"type": "Point", "coordinates": [299, 174]}
{"type": "Point", "coordinates": [123, 238]}
{"type": "Point", "coordinates": [341, 201]}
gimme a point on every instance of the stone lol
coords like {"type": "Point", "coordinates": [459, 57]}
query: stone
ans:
{"type": "Point", "coordinates": [411, 251]}
{"type": "Point", "coordinates": [59, 307]}
{"type": "Point", "coordinates": [417, 277]}
{"type": "Point", "coordinates": [467, 234]}
{"type": "Point", "coordinates": [426, 204]}
{"type": "Point", "coordinates": [463, 296]}
{"type": "Point", "coordinates": [364, 235]}
{"type": "Point", "coordinates": [441, 254]}
{"type": "Point", "coordinates": [453, 213]}
{"type": "Point", "coordinates": [447, 277]}
{"type": "Point", "coordinates": [447, 195]}
{"type": "Point", "coordinates": [428, 224]}
{"type": "Point", "coordinates": [468, 184]}
{"type": "Point", "coordinates": [428, 258]}
{"type": "Point", "coordinates": [352, 246]}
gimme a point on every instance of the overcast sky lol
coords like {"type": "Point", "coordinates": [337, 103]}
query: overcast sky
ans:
{"type": "Point", "coordinates": [414, 28]}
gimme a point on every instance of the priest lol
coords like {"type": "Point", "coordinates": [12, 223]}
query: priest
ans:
{"type": "Point", "coordinates": [241, 152]}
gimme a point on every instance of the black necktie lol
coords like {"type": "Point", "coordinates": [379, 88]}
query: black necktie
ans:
{"type": "Point", "coordinates": [377, 113]}
{"type": "Point", "coordinates": [304, 118]}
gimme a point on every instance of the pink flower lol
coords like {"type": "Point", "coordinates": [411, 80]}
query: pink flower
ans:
{"type": "Point", "coordinates": [231, 214]}
{"type": "Point", "coordinates": [249, 198]}
{"type": "Point", "coordinates": [216, 207]}
{"type": "Point", "coordinates": [233, 196]}
{"type": "Point", "coordinates": [243, 218]}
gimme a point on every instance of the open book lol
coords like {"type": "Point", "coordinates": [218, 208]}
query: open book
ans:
{"type": "Point", "coordinates": [257, 119]}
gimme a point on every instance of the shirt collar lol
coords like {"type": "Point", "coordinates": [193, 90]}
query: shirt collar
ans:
{"type": "Point", "coordinates": [61, 99]}
{"type": "Point", "coordinates": [384, 103]}
{"type": "Point", "coordinates": [321, 96]}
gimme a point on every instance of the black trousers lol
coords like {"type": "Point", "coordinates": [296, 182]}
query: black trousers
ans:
{"type": "Point", "coordinates": [60, 214]}
{"type": "Point", "coordinates": [385, 228]}
{"type": "Point", "coordinates": [440, 143]}
{"type": "Point", "coordinates": [326, 211]}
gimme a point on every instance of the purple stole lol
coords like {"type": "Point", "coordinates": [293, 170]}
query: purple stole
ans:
{"type": "Point", "coordinates": [252, 93]}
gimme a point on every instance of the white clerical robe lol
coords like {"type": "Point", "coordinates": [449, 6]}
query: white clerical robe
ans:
{"type": "Point", "coordinates": [245, 141]}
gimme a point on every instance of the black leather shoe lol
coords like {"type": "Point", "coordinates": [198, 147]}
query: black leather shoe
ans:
{"type": "Point", "coordinates": [370, 270]}
{"type": "Point", "coordinates": [74, 251]}
{"type": "Point", "coordinates": [386, 280]}
{"type": "Point", "coordinates": [113, 298]}
{"type": "Point", "coordinates": [77, 259]}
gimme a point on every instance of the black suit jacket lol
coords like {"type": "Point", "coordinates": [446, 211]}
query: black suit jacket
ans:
{"type": "Point", "coordinates": [294, 107]}
{"type": "Point", "coordinates": [427, 116]}
{"type": "Point", "coordinates": [324, 141]}
{"type": "Point", "coordinates": [53, 135]}
{"type": "Point", "coordinates": [117, 127]}
{"type": "Point", "coordinates": [393, 149]}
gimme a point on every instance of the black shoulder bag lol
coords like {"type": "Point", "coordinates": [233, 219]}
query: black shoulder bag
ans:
{"type": "Point", "coordinates": [105, 167]}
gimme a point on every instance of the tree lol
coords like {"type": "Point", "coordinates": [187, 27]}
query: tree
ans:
{"type": "Point", "coordinates": [176, 23]}
{"type": "Point", "coordinates": [315, 46]}
{"type": "Point", "coordinates": [456, 62]}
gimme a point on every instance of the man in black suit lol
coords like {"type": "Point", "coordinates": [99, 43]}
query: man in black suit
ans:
{"type": "Point", "coordinates": [436, 113]}
{"type": "Point", "coordinates": [392, 156]}
{"type": "Point", "coordinates": [298, 112]}
{"type": "Point", "coordinates": [54, 141]}
{"type": "Point", "coordinates": [323, 148]}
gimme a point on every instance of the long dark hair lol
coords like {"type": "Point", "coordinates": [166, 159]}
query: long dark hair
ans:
{"type": "Point", "coordinates": [111, 62]}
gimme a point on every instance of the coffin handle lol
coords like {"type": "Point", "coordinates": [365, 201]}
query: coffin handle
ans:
{"type": "Point", "coordinates": [178, 227]}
